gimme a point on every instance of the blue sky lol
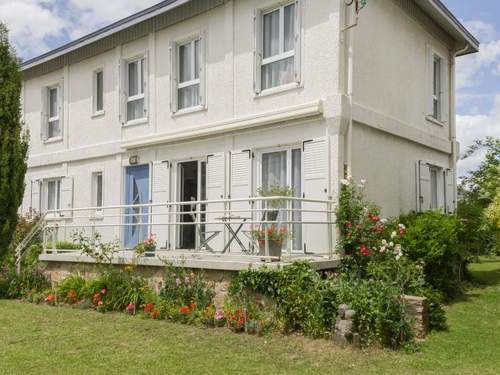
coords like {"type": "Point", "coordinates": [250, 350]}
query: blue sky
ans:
{"type": "Point", "coordinates": [40, 25]}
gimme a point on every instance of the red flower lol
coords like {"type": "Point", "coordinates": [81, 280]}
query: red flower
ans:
{"type": "Point", "coordinates": [364, 250]}
{"type": "Point", "coordinates": [348, 224]}
{"type": "Point", "coordinates": [184, 310]}
{"type": "Point", "coordinates": [130, 307]}
{"type": "Point", "coordinates": [154, 313]}
{"type": "Point", "coordinates": [148, 307]}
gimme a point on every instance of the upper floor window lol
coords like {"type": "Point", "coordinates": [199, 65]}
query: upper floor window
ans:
{"type": "Point", "coordinates": [438, 107]}
{"type": "Point", "coordinates": [51, 126]}
{"type": "Point", "coordinates": [189, 74]}
{"type": "Point", "coordinates": [187, 63]}
{"type": "Point", "coordinates": [135, 92]}
{"type": "Point", "coordinates": [98, 95]}
{"type": "Point", "coordinates": [436, 87]}
{"type": "Point", "coordinates": [277, 55]}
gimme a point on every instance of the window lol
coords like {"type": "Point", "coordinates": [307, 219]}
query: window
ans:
{"type": "Point", "coordinates": [53, 201]}
{"type": "Point", "coordinates": [135, 89]}
{"type": "Point", "coordinates": [97, 189]}
{"type": "Point", "coordinates": [284, 168]}
{"type": "Point", "coordinates": [436, 88]}
{"type": "Point", "coordinates": [278, 46]}
{"type": "Point", "coordinates": [189, 63]}
{"type": "Point", "coordinates": [53, 125]}
{"type": "Point", "coordinates": [98, 97]}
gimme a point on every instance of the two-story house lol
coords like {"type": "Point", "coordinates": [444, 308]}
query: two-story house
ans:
{"type": "Point", "coordinates": [210, 100]}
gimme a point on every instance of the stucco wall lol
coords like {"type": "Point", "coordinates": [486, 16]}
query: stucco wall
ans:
{"type": "Point", "coordinates": [388, 164]}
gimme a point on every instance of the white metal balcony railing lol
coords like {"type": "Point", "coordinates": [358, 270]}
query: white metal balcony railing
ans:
{"type": "Point", "coordinates": [220, 227]}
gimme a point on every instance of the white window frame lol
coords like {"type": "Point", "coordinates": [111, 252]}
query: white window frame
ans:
{"type": "Point", "coordinates": [95, 111]}
{"type": "Point", "coordinates": [94, 190]}
{"type": "Point", "coordinates": [282, 55]}
{"type": "Point", "coordinates": [437, 84]}
{"type": "Point", "coordinates": [194, 81]}
{"type": "Point", "coordinates": [141, 84]}
{"type": "Point", "coordinates": [54, 118]}
{"type": "Point", "coordinates": [58, 181]}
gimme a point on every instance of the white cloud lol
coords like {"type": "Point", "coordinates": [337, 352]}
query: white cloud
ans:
{"type": "Point", "coordinates": [36, 26]}
{"type": "Point", "coordinates": [478, 126]}
{"type": "Point", "coordinates": [471, 68]}
{"type": "Point", "coordinates": [484, 31]}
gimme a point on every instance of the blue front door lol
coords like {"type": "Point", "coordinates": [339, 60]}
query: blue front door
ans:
{"type": "Point", "coordinates": [136, 192]}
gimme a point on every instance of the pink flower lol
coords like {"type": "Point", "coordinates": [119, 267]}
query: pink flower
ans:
{"type": "Point", "coordinates": [103, 291]}
{"type": "Point", "coordinates": [178, 281]}
{"type": "Point", "coordinates": [186, 279]}
{"type": "Point", "coordinates": [219, 315]}
{"type": "Point", "coordinates": [99, 303]}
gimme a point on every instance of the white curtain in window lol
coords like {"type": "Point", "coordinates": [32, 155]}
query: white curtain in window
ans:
{"type": "Point", "coordinates": [277, 73]}
{"type": "Point", "coordinates": [274, 169]}
{"type": "Point", "coordinates": [189, 96]}
{"type": "Point", "coordinates": [271, 34]}
{"type": "Point", "coordinates": [289, 27]}
{"type": "Point", "coordinates": [133, 72]}
{"type": "Point", "coordinates": [135, 109]}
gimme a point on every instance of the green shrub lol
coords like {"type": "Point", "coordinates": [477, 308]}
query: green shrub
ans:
{"type": "Point", "coordinates": [432, 238]}
{"type": "Point", "coordinates": [31, 280]}
{"type": "Point", "coordinates": [183, 288]}
{"type": "Point", "coordinates": [115, 290]}
{"type": "Point", "coordinates": [297, 291]}
{"type": "Point", "coordinates": [72, 289]}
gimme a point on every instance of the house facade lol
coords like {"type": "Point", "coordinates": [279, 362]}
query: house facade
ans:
{"type": "Point", "coordinates": [213, 100]}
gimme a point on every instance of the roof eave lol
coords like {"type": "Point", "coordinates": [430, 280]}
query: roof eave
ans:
{"type": "Point", "coordinates": [102, 33]}
{"type": "Point", "coordinates": [466, 42]}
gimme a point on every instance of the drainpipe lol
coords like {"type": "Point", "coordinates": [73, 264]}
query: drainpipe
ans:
{"type": "Point", "coordinates": [452, 121]}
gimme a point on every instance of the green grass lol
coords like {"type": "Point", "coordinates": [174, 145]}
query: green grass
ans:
{"type": "Point", "coordinates": [42, 339]}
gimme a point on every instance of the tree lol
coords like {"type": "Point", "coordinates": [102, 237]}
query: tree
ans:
{"type": "Point", "coordinates": [13, 142]}
{"type": "Point", "coordinates": [478, 191]}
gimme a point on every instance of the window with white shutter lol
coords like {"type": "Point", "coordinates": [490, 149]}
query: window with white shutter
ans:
{"type": "Point", "coordinates": [438, 82]}
{"type": "Point", "coordinates": [160, 193]}
{"type": "Point", "coordinates": [133, 89]}
{"type": "Point", "coordinates": [277, 46]}
{"type": "Point", "coordinates": [187, 73]}
{"type": "Point", "coordinates": [215, 191]}
{"type": "Point", "coordinates": [51, 112]}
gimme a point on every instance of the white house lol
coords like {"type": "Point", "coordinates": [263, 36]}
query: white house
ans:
{"type": "Point", "coordinates": [195, 100]}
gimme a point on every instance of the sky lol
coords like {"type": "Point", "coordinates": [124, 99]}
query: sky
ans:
{"type": "Point", "coordinates": [37, 26]}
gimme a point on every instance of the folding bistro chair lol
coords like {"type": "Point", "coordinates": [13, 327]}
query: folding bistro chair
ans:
{"type": "Point", "coordinates": [204, 237]}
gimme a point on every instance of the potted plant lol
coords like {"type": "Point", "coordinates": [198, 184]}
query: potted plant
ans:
{"type": "Point", "coordinates": [272, 206]}
{"type": "Point", "coordinates": [275, 238]}
{"type": "Point", "coordinates": [146, 247]}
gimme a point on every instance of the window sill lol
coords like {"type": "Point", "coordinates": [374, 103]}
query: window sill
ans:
{"type": "Point", "coordinates": [139, 121]}
{"type": "Point", "coordinates": [278, 90]}
{"type": "Point", "coordinates": [434, 121]}
{"type": "Point", "coordinates": [185, 111]}
{"type": "Point", "coordinates": [98, 114]}
{"type": "Point", "coordinates": [53, 140]}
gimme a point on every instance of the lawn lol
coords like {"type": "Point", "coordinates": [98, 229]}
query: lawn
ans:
{"type": "Point", "coordinates": [42, 339]}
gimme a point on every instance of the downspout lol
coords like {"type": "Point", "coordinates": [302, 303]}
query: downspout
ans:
{"type": "Point", "coordinates": [453, 115]}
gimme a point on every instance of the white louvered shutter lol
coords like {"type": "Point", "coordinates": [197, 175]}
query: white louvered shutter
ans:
{"type": "Point", "coordinates": [445, 107]}
{"type": "Point", "coordinates": [430, 79]}
{"type": "Point", "coordinates": [297, 58]}
{"type": "Point", "coordinates": [122, 74]}
{"type": "Point", "coordinates": [315, 177]}
{"type": "Point", "coordinates": [215, 191]}
{"type": "Point", "coordinates": [424, 186]}
{"type": "Point", "coordinates": [60, 103]}
{"type": "Point", "coordinates": [67, 196]}
{"type": "Point", "coordinates": [257, 53]}
{"type": "Point", "coordinates": [35, 196]}
{"type": "Point", "coordinates": [241, 187]}
{"type": "Point", "coordinates": [174, 80]}
{"type": "Point", "coordinates": [203, 72]}
{"type": "Point", "coordinates": [450, 191]}
{"type": "Point", "coordinates": [160, 193]}
{"type": "Point", "coordinates": [146, 85]}
{"type": "Point", "coordinates": [44, 113]}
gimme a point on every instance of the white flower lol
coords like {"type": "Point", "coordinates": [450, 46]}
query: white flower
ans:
{"type": "Point", "coordinates": [363, 182]}
{"type": "Point", "coordinates": [401, 226]}
{"type": "Point", "coordinates": [393, 234]}
{"type": "Point", "coordinates": [382, 249]}
{"type": "Point", "coordinates": [391, 244]}
{"type": "Point", "coordinates": [383, 221]}
{"type": "Point", "coordinates": [344, 182]}
{"type": "Point", "coordinates": [398, 251]}
{"type": "Point", "coordinates": [384, 242]}
{"type": "Point", "coordinates": [398, 256]}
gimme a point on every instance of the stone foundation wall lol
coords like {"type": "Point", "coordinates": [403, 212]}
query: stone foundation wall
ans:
{"type": "Point", "coordinates": [57, 271]}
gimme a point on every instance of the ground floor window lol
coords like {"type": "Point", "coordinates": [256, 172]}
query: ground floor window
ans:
{"type": "Point", "coordinates": [53, 194]}
{"type": "Point", "coordinates": [283, 168]}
